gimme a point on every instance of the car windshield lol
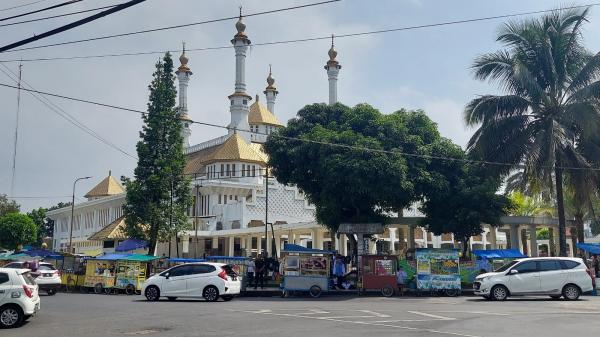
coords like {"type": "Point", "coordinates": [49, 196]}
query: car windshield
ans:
{"type": "Point", "coordinates": [506, 266]}
{"type": "Point", "coordinates": [46, 267]}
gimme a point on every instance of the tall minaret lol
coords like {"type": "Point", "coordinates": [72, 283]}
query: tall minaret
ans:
{"type": "Point", "coordinates": [271, 92]}
{"type": "Point", "coordinates": [183, 75]}
{"type": "Point", "coordinates": [239, 99]}
{"type": "Point", "coordinates": [333, 68]}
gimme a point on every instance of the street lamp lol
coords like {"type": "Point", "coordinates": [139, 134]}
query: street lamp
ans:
{"type": "Point", "coordinates": [72, 213]}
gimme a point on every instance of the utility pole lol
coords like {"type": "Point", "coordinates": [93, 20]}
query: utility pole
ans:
{"type": "Point", "coordinates": [73, 214]}
{"type": "Point", "coordinates": [14, 163]}
{"type": "Point", "coordinates": [196, 216]}
{"type": "Point", "coordinates": [266, 209]}
{"type": "Point", "coordinates": [171, 218]}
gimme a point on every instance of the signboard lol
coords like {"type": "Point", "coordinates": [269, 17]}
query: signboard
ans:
{"type": "Point", "coordinates": [437, 269]}
{"type": "Point", "coordinates": [361, 228]}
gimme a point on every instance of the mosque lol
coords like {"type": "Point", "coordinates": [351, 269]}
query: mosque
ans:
{"type": "Point", "coordinates": [238, 210]}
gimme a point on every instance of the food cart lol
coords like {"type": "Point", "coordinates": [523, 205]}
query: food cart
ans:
{"type": "Point", "coordinates": [305, 270]}
{"type": "Point", "coordinates": [378, 272]}
{"type": "Point", "coordinates": [438, 271]}
{"type": "Point", "coordinates": [131, 272]}
{"type": "Point", "coordinates": [100, 272]}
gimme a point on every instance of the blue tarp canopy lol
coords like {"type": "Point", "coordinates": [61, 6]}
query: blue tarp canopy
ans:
{"type": "Point", "coordinates": [226, 258]}
{"type": "Point", "coordinates": [184, 260]}
{"type": "Point", "coordinates": [593, 248]}
{"type": "Point", "coordinates": [291, 248]}
{"type": "Point", "coordinates": [39, 252]}
{"type": "Point", "coordinates": [499, 253]}
{"type": "Point", "coordinates": [131, 244]}
{"type": "Point", "coordinates": [111, 257]}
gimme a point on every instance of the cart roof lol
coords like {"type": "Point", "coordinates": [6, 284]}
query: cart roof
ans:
{"type": "Point", "coordinates": [226, 258]}
{"type": "Point", "coordinates": [291, 248]}
{"type": "Point", "coordinates": [499, 253]}
{"type": "Point", "coordinates": [185, 260]}
{"type": "Point", "coordinates": [127, 257]}
{"type": "Point", "coordinates": [593, 248]}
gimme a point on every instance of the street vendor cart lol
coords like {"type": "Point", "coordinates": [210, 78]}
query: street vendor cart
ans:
{"type": "Point", "coordinates": [438, 271]}
{"type": "Point", "coordinates": [100, 272]}
{"type": "Point", "coordinates": [305, 270]}
{"type": "Point", "coordinates": [72, 272]}
{"type": "Point", "coordinates": [132, 271]}
{"type": "Point", "coordinates": [378, 272]}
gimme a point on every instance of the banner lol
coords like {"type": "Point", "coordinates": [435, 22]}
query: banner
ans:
{"type": "Point", "coordinates": [437, 269]}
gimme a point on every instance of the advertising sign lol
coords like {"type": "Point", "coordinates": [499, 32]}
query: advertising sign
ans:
{"type": "Point", "coordinates": [437, 269]}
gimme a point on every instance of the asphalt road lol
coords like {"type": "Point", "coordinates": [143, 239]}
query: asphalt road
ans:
{"type": "Point", "coordinates": [87, 315]}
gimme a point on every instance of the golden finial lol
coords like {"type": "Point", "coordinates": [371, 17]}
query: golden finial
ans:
{"type": "Point", "coordinates": [270, 79]}
{"type": "Point", "coordinates": [240, 26]}
{"type": "Point", "coordinates": [183, 59]}
{"type": "Point", "coordinates": [332, 53]}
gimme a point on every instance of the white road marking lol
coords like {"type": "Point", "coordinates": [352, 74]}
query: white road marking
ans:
{"type": "Point", "coordinates": [443, 318]}
{"type": "Point", "coordinates": [470, 312]}
{"type": "Point", "coordinates": [376, 314]}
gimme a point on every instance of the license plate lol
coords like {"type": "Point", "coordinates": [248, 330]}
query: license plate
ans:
{"type": "Point", "coordinates": [47, 275]}
{"type": "Point", "coordinates": [476, 286]}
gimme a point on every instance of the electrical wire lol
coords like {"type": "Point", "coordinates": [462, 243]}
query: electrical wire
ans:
{"type": "Point", "coordinates": [346, 146]}
{"type": "Point", "coordinates": [56, 16]}
{"type": "Point", "coordinates": [66, 3]}
{"type": "Point", "coordinates": [308, 39]}
{"type": "Point", "coordinates": [65, 115]}
{"type": "Point", "coordinates": [23, 5]}
{"type": "Point", "coordinates": [173, 27]}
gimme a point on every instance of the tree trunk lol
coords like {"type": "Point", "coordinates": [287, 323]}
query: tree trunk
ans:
{"type": "Point", "coordinates": [551, 247]}
{"type": "Point", "coordinates": [574, 235]}
{"type": "Point", "coordinates": [524, 241]}
{"type": "Point", "coordinates": [465, 248]}
{"type": "Point", "coordinates": [579, 228]}
{"type": "Point", "coordinates": [153, 239]}
{"type": "Point", "coordinates": [560, 205]}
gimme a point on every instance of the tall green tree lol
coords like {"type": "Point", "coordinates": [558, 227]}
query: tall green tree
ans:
{"type": "Point", "coordinates": [8, 206]}
{"type": "Point", "coordinates": [159, 195]}
{"type": "Point", "coordinates": [17, 229]}
{"type": "Point", "coordinates": [550, 105]}
{"type": "Point", "coordinates": [41, 222]}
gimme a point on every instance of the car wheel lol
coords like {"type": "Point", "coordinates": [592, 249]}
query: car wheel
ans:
{"type": "Point", "coordinates": [387, 291]}
{"type": "Point", "coordinates": [51, 292]}
{"type": "Point", "coordinates": [171, 298]}
{"type": "Point", "coordinates": [499, 293]}
{"type": "Point", "coordinates": [11, 316]}
{"type": "Point", "coordinates": [315, 291]}
{"type": "Point", "coordinates": [211, 293]}
{"type": "Point", "coordinates": [227, 298]}
{"type": "Point", "coordinates": [555, 297]}
{"type": "Point", "coordinates": [571, 292]}
{"type": "Point", "coordinates": [152, 293]}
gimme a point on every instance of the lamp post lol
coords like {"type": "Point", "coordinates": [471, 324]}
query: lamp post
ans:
{"type": "Point", "coordinates": [73, 212]}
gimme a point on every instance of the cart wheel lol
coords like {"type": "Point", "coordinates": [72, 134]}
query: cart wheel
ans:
{"type": "Point", "coordinates": [108, 291]}
{"type": "Point", "coordinates": [284, 294]}
{"type": "Point", "coordinates": [70, 285]}
{"type": "Point", "coordinates": [130, 289]}
{"type": "Point", "coordinates": [98, 288]}
{"type": "Point", "coordinates": [452, 292]}
{"type": "Point", "coordinates": [315, 291]}
{"type": "Point", "coordinates": [387, 291]}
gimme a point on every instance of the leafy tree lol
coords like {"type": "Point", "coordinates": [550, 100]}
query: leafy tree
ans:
{"type": "Point", "coordinates": [17, 229]}
{"type": "Point", "coordinates": [159, 196]}
{"type": "Point", "coordinates": [550, 106]}
{"type": "Point", "coordinates": [543, 233]}
{"type": "Point", "coordinates": [8, 206]}
{"type": "Point", "coordinates": [41, 221]}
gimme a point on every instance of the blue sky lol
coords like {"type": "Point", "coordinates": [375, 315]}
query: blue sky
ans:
{"type": "Point", "coordinates": [426, 69]}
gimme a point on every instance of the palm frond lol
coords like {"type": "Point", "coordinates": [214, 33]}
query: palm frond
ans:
{"type": "Point", "coordinates": [490, 107]}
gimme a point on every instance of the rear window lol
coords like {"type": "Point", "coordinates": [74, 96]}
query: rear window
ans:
{"type": "Point", "coordinates": [46, 267]}
{"type": "Point", "coordinates": [28, 278]}
{"type": "Point", "coordinates": [568, 264]}
{"type": "Point", "coordinates": [229, 270]}
{"type": "Point", "coordinates": [4, 278]}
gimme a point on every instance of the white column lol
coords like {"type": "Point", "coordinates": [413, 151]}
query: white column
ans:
{"type": "Point", "coordinates": [484, 240]}
{"type": "Point", "coordinates": [493, 237]}
{"type": "Point", "coordinates": [343, 244]}
{"type": "Point", "coordinates": [259, 245]}
{"type": "Point", "coordinates": [271, 92]}
{"type": "Point", "coordinates": [317, 238]}
{"type": "Point", "coordinates": [411, 237]}
{"type": "Point", "coordinates": [514, 237]}
{"type": "Point", "coordinates": [243, 242]}
{"type": "Point", "coordinates": [392, 240]}
{"type": "Point", "coordinates": [278, 243]}
{"type": "Point", "coordinates": [239, 99]}
{"type": "Point", "coordinates": [231, 246]}
{"type": "Point", "coordinates": [248, 245]}
{"type": "Point", "coordinates": [269, 241]}
{"type": "Point", "coordinates": [333, 69]}
{"type": "Point", "coordinates": [533, 245]}
{"type": "Point", "coordinates": [214, 243]}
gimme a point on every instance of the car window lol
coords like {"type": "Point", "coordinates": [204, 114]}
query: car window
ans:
{"type": "Point", "coordinates": [4, 278]}
{"type": "Point", "coordinates": [28, 278]}
{"type": "Point", "coordinates": [14, 265]}
{"type": "Point", "coordinates": [180, 271]}
{"type": "Point", "coordinates": [568, 264]}
{"type": "Point", "coordinates": [202, 269]}
{"type": "Point", "coordinates": [548, 265]}
{"type": "Point", "coordinates": [46, 267]}
{"type": "Point", "coordinates": [506, 266]}
{"type": "Point", "coordinates": [526, 267]}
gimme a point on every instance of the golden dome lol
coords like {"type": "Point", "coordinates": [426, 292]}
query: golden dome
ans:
{"type": "Point", "coordinates": [183, 59]}
{"type": "Point", "coordinates": [259, 114]}
{"type": "Point", "coordinates": [270, 80]}
{"type": "Point", "coordinates": [332, 52]}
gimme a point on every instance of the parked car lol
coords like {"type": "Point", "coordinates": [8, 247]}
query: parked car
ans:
{"type": "Point", "coordinates": [195, 280]}
{"type": "Point", "coordinates": [553, 276]}
{"type": "Point", "coordinates": [46, 275]}
{"type": "Point", "coordinates": [19, 297]}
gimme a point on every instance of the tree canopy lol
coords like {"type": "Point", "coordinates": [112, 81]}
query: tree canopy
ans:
{"type": "Point", "coordinates": [17, 229]}
{"type": "Point", "coordinates": [159, 195]}
{"type": "Point", "coordinates": [8, 206]}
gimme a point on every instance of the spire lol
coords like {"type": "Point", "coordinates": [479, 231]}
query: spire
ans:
{"type": "Point", "coordinates": [183, 76]}
{"type": "Point", "coordinates": [333, 68]}
{"type": "Point", "coordinates": [240, 26]}
{"type": "Point", "coordinates": [270, 91]}
{"type": "Point", "coordinates": [183, 59]}
{"type": "Point", "coordinates": [238, 107]}
{"type": "Point", "coordinates": [270, 80]}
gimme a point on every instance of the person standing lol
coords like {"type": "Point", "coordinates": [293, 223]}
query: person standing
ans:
{"type": "Point", "coordinates": [250, 272]}
{"type": "Point", "coordinates": [339, 269]}
{"type": "Point", "coordinates": [260, 268]}
{"type": "Point", "coordinates": [596, 265]}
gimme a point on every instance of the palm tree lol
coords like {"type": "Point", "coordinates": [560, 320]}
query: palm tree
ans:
{"type": "Point", "coordinates": [552, 102]}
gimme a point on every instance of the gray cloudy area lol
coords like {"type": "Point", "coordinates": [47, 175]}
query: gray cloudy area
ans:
{"type": "Point", "coordinates": [415, 69]}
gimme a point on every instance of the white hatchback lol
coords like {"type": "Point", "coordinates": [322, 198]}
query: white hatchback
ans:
{"type": "Point", "coordinates": [19, 298]}
{"type": "Point", "coordinates": [553, 276]}
{"type": "Point", "coordinates": [195, 280]}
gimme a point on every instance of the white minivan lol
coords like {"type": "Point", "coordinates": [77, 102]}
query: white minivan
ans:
{"type": "Point", "coordinates": [553, 276]}
{"type": "Point", "coordinates": [19, 298]}
{"type": "Point", "coordinates": [206, 280]}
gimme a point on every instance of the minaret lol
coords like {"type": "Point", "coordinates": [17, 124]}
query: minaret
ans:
{"type": "Point", "coordinates": [183, 75]}
{"type": "Point", "coordinates": [239, 99]}
{"type": "Point", "coordinates": [271, 92]}
{"type": "Point", "coordinates": [333, 68]}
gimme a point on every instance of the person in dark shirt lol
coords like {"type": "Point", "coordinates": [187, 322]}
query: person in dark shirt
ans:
{"type": "Point", "coordinates": [260, 269]}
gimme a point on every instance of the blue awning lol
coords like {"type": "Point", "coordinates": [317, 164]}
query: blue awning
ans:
{"type": "Point", "coordinates": [226, 258]}
{"type": "Point", "coordinates": [291, 248]}
{"type": "Point", "coordinates": [593, 248]}
{"type": "Point", "coordinates": [131, 244]}
{"type": "Point", "coordinates": [185, 260]}
{"type": "Point", "coordinates": [499, 253]}
{"type": "Point", "coordinates": [38, 252]}
{"type": "Point", "coordinates": [111, 257]}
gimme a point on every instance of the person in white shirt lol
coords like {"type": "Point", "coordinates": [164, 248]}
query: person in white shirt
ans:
{"type": "Point", "coordinates": [250, 272]}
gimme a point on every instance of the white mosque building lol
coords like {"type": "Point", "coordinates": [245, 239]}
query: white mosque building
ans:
{"type": "Point", "coordinates": [233, 198]}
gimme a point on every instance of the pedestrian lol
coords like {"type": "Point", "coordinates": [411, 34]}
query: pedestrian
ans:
{"type": "Point", "coordinates": [596, 265]}
{"type": "Point", "coordinates": [250, 272]}
{"type": "Point", "coordinates": [260, 270]}
{"type": "Point", "coordinates": [401, 279]}
{"type": "Point", "coordinates": [339, 269]}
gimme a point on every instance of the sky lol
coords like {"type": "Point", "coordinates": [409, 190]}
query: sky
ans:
{"type": "Point", "coordinates": [425, 69]}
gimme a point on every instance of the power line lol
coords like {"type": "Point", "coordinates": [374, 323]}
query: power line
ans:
{"type": "Point", "coordinates": [66, 3]}
{"type": "Point", "coordinates": [173, 27]}
{"type": "Point", "coordinates": [56, 16]}
{"type": "Point", "coordinates": [352, 147]}
{"type": "Point", "coordinates": [72, 25]}
{"type": "Point", "coordinates": [40, 197]}
{"type": "Point", "coordinates": [68, 117]}
{"type": "Point", "coordinates": [308, 39]}
{"type": "Point", "coordinates": [23, 5]}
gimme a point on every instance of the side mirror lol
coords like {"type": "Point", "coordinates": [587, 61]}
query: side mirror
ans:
{"type": "Point", "coordinates": [167, 276]}
{"type": "Point", "coordinates": [513, 272]}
